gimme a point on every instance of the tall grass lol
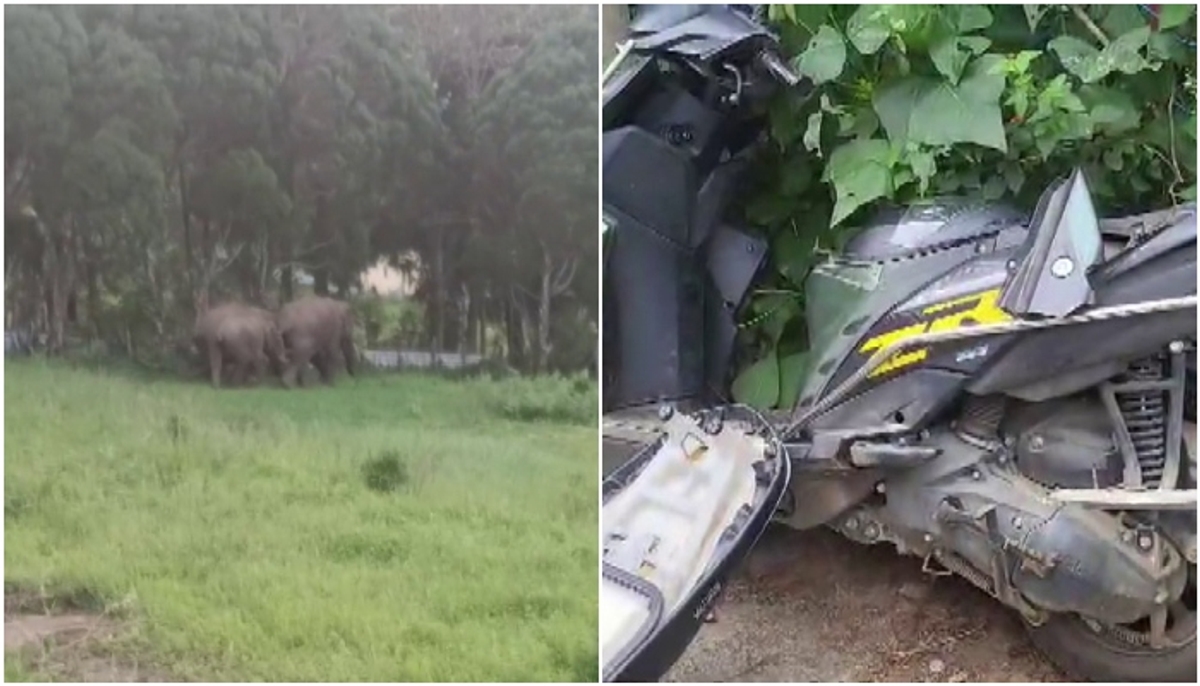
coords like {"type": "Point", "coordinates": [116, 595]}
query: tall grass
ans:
{"type": "Point", "coordinates": [553, 398]}
{"type": "Point", "coordinates": [393, 528]}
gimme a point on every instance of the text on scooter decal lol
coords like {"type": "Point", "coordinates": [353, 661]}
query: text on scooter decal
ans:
{"type": "Point", "coordinates": [984, 311]}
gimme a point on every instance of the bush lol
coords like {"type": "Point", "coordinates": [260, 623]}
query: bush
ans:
{"type": "Point", "coordinates": [553, 398]}
{"type": "Point", "coordinates": [385, 472]}
{"type": "Point", "coordinates": [988, 102]}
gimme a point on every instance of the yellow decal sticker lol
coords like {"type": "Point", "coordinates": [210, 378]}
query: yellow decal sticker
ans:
{"type": "Point", "coordinates": [984, 311]}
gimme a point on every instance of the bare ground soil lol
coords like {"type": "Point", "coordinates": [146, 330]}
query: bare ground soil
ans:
{"type": "Point", "coordinates": [812, 606]}
{"type": "Point", "coordinates": [56, 643]}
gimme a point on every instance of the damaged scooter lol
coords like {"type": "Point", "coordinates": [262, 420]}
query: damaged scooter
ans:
{"type": "Point", "coordinates": [1008, 396]}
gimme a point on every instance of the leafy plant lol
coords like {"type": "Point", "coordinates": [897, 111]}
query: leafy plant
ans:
{"type": "Point", "coordinates": [385, 472]}
{"type": "Point", "coordinates": [990, 102]}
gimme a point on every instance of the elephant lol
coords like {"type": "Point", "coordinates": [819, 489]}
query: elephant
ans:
{"type": "Point", "coordinates": [241, 339]}
{"type": "Point", "coordinates": [319, 330]}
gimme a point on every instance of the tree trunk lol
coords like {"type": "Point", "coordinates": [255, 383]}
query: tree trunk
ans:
{"type": "Point", "coordinates": [513, 335]}
{"type": "Point", "coordinates": [478, 312]}
{"type": "Point", "coordinates": [286, 280]}
{"type": "Point", "coordinates": [463, 333]}
{"type": "Point", "coordinates": [527, 329]}
{"type": "Point", "coordinates": [60, 271]}
{"type": "Point", "coordinates": [439, 297]}
{"type": "Point", "coordinates": [321, 282]}
{"type": "Point", "coordinates": [543, 327]}
{"type": "Point", "coordinates": [185, 211]}
{"type": "Point", "coordinates": [92, 286]}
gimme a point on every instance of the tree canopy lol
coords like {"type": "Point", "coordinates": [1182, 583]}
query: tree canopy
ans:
{"type": "Point", "coordinates": [160, 157]}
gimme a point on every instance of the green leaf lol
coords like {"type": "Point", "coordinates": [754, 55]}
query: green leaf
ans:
{"type": "Point", "coordinates": [796, 177]}
{"type": "Point", "coordinates": [1166, 47]}
{"type": "Point", "coordinates": [1021, 61]}
{"type": "Point", "coordinates": [1112, 111]}
{"type": "Point", "coordinates": [1034, 14]}
{"type": "Point", "coordinates": [1019, 100]}
{"type": "Point", "coordinates": [923, 166]}
{"type": "Point", "coordinates": [783, 118]}
{"type": "Point", "coordinates": [864, 125]}
{"type": "Point", "coordinates": [769, 209]}
{"type": "Point", "coordinates": [1076, 55]}
{"type": "Point", "coordinates": [917, 26]}
{"type": "Point", "coordinates": [825, 56]}
{"type": "Point", "coordinates": [938, 114]}
{"type": "Point", "coordinates": [869, 28]}
{"type": "Point", "coordinates": [951, 54]}
{"type": "Point", "coordinates": [808, 17]}
{"type": "Point", "coordinates": [793, 255]}
{"type": "Point", "coordinates": [993, 188]}
{"type": "Point", "coordinates": [1123, 53]}
{"type": "Point", "coordinates": [774, 311]}
{"type": "Point", "coordinates": [1170, 16]}
{"type": "Point", "coordinates": [1090, 65]}
{"type": "Point", "coordinates": [948, 58]}
{"type": "Point", "coordinates": [1120, 18]}
{"type": "Point", "coordinates": [860, 173]}
{"type": "Point", "coordinates": [758, 384]}
{"type": "Point", "coordinates": [1189, 193]}
{"type": "Point", "coordinates": [812, 134]}
{"type": "Point", "coordinates": [792, 370]}
{"type": "Point", "coordinates": [976, 44]}
{"type": "Point", "coordinates": [1014, 177]}
{"type": "Point", "coordinates": [970, 18]}
{"type": "Point", "coordinates": [1113, 160]}
{"type": "Point", "coordinates": [1046, 142]}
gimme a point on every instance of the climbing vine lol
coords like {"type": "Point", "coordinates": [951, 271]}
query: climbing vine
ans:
{"type": "Point", "coordinates": [991, 102]}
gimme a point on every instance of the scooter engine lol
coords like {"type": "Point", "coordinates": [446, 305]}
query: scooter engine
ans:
{"type": "Point", "coordinates": [1064, 443]}
{"type": "Point", "coordinates": [978, 512]}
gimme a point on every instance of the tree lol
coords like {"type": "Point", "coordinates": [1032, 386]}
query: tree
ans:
{"type": "Point", "coordinates": [159, 157]}
{"type": "Point", "coordinates": [539, 109]}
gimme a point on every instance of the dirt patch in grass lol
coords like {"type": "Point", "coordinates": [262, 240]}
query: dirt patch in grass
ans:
{"type": "Point", "coordinates": [49, 639]}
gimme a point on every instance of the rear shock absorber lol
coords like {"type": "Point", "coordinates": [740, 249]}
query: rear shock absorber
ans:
{"type": "Point", "coordinates": [1145, 414]}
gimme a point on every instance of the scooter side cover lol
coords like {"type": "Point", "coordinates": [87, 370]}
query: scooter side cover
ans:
{"type": "Point", "coordinates": [677, 519]}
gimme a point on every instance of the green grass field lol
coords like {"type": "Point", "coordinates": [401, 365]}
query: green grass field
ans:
{"type": "Point", "coordinates": [392, 528]}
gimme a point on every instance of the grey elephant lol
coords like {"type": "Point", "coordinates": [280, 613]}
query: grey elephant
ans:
{"type": "Point", "coordinates": [319, 330]}
{"type": "Point", "coordinates": [240, 340]}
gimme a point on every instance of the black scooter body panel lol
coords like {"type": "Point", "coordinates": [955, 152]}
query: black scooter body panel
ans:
{"type": "Point", "coordinates": [1162, 267]}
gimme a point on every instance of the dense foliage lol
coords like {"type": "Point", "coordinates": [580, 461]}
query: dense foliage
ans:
{"type": "Point", "coordinates": [990, 102]}
{"type": "Point", "coordinates": [158, 157]}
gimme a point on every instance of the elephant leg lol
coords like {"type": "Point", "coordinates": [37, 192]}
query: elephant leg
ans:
{"type": "Point", "coordinates": [259, 368]}
{"type": "Point", "coordinates": [238, 377]}
{"type": "Point", "coordinates": [323, 361]}
{"type": "Point", "coordinates": [297, 362]}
